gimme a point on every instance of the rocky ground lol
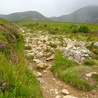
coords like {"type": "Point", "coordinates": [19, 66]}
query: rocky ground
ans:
{"type": "Point", "coordinates": [43, 48]}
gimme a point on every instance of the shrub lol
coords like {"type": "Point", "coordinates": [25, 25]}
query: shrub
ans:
{"type": "Point", "coordinates": [73, 28]}
{"type": "Point", "coordinates": [84, 29]}
{"type": "Point", "coordinates": [89, 62]}
{"type": "Point", "coordinates": [27, 47]}
{"type": "Point", "coordinates": [30, 57]}
{"type": "Point", "coordinates": [52, 31]}
{"type": "Point", "coordinates": [52, 45]}
{"type": "Point", "coordinates": [45, 25]}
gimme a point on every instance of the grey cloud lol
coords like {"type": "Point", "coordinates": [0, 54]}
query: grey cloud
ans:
{"type": "Point", "coordinates": [46, 7]}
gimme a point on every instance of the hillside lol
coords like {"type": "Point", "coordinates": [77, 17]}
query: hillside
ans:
{"type": "Point", "coordinates": [16, 80]}
{"type": "Point", "coordinates": [87, 14]}
{"type": "Point", "coordinates": [29, 15]}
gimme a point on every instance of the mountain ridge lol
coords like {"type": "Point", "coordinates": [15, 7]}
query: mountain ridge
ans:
{"type": "Point", "coordinates": [27, 15]}
{"type": "Point", "coordinates": [88, 14]}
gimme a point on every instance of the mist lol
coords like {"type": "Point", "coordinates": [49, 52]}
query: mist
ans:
{"type": "Point", "coordinates": [48, 8]}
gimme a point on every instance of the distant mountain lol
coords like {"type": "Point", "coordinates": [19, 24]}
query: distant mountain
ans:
{"type": "Point", "coordinates": [29, 15]}
{"type": "Point", "coordinates": [87, 14]}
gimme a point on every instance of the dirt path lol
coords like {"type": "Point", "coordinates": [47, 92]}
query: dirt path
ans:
{"type": "Point", "coordinates": [52, 86]}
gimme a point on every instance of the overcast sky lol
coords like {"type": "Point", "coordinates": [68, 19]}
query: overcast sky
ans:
{"type": "Point", "coordinates": [46, 7]}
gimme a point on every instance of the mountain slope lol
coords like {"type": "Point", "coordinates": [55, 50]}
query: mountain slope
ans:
{"type": "Point", "coordinates": [87, 14]}
{"type": "Point", "coordinates": [29, 15]}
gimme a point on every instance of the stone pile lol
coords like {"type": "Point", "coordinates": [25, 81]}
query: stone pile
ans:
{"type": "Point", "coordinates": [77, 52]}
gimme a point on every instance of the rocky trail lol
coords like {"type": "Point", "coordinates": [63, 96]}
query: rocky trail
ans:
{"type": "Point", "coordinates": [43, 47]}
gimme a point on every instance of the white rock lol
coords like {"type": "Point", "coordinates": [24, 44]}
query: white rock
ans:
{"type": "Point", "coordinates": [42, 65]}
{"type": "Point", "coordinates": [50, 58]}
{"type": "Point", "coordinates": [39, 55]}
{"type": "Point", "coordinates": [66, 92]}
{"type": "Point", "coordinates": [69, 96]}
{"type": "Point", "coordinates": [37, 61]}
{"type": "Point", "coordinates": [96, 44]}
{"type": "Point", "coordinates": [40, 80]}
{"type": "Point", "coordinates": [38, 74]}
{"type": "Point", "coordinates": [58, 96]}
{"type": "Point", "coordinates": [56, 91]}
{"type": "Point", "coordinates": [90, 74]}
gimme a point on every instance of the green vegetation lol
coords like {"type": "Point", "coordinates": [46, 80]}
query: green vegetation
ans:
{"type": "Point", "coordinates": [84, 29]}
{"type": "Point", "coordinates": [16, 80]}
{"type": "Point", "coordinates": [90, 62]}
{"type": "Point", "coordinates": [30, 58]}
{"type": "Point", "coordinates": [94, 51]}
{"type": "Point", "coordinates": [53, 45]}
{"type": "Point", "coordinates": [70, 30]}
{"type": "Point", "coordinates": [28, 47]}
{"type": "Point", "coordinates": [72, 73]}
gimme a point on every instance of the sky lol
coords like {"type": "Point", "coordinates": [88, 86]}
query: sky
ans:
{"type": "Point", "coordinates": [48, 8]}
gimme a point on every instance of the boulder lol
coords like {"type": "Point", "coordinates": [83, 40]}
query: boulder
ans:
{"type": "Point", "coordinates": [77, 53]}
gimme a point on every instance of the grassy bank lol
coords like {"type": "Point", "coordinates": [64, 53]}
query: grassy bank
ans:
{"type": "Point", "coordinates": [16, 80]}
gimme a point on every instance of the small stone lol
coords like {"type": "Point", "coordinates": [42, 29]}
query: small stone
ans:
{"type": "Point", "coordinates": [50, 58]}
{"type": "Point", "coordinates": [90, 74]}
{"type": "Point", "coordinates": [38, 74]}
{"type": "Point", "coordinates": [44, 71]}
{"type": "Point", "coordinates": [66, 92]}
{"type": "Point", "coordinates": [69, 96]}
{"type": "Point", "coordinates": [40, 80]}
{"type": "Point", "coordinates": [40, 55]}
{"type": "Point", "coordinates": [96, 44]}
{"type": "Point", "coordinates": [58, 96]}
{"type": "Point", "coordinates": [51, 90]}
{"type": "Point", "coordinates": [42, 65]}
{"type": "Point", "coordinates": [93, 91]}
{"type": "Point", "coordinates": [56, 91]}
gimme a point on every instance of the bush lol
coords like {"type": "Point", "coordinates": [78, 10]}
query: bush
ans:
{"type": "Point", "coordinates": [30, 58]}
{"type": "Point", "coordinates": [73, 28]}
{"type": "Point", "coordinates": [89, 62]}
{"type": "Point", "coordinates": [53, 31]}
{"type": "Point", "coordinates": [52, 45]}
{"type": "Point", "coordinates": [84, 29]}
{"type": "Point", "coordinates": [27, 47]}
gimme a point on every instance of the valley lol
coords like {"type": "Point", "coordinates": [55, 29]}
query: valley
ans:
{"type": "Point", "coordinates": [49, 59]}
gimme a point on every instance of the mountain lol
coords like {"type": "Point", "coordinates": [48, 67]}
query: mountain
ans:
{"type": "Point", "coordinates": [87, 14]}
{"type": "Point", "coordinates": [29, 15]}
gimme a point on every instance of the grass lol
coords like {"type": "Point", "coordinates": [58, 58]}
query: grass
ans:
{"type": "Point", "coordinates": [72, 73]}
{"type": "Point", "coordinates": [21, 83]}
{"type": "Point", "coordinates": [16, 80]}
{"type": "Point", "coordinates": [60, 28]}
{"type": "Point", "coordinates": [27, 47]}
{"type": "Point", "coordinates": [75, 79]}
{"type": "Point", "coordinates": [94, 51]}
